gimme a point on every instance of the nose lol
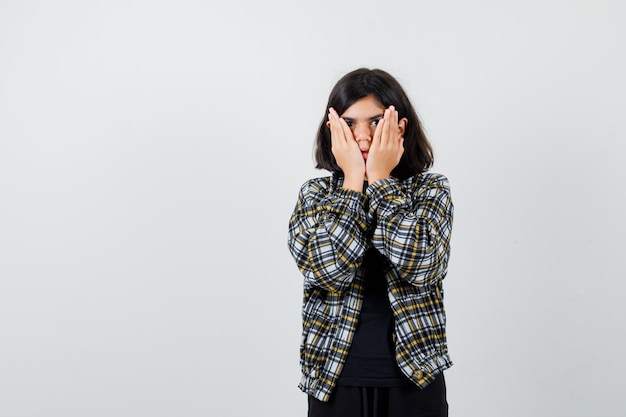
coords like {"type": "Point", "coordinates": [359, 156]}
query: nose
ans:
{"type": "Point", "coordinates": [362, 132]}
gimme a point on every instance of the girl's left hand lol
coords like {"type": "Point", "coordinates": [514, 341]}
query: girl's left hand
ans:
{"type": "Point", "coordinates": [387, 146]}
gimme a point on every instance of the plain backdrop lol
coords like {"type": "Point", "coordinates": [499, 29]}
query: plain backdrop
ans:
{"type": "Point", "coordinates": [150, 157]}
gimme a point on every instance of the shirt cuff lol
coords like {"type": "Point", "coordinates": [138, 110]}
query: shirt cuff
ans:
{"type": "Point", "coordinates": [385, 196]}
{"type": "Point", "coordinates": [346, 202]}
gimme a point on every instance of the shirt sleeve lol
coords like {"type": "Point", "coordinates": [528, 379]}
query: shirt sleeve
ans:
{"type": "Point", "coordinates": [413, 227]}
{"type": "Point", "coordinates": [327, 235]}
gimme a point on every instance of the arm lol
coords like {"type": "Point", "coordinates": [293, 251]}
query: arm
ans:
{"type": "Point", "coordinates": [413, 227]}
{"type": "Point", "coordinates": [326, 235]}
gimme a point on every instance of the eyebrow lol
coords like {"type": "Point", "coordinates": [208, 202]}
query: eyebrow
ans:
{"type": "Point", "coordinates": [350, 119]}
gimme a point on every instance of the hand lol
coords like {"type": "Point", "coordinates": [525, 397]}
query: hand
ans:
{"type": "Point", "coordinates": [387, 146]}
{"type": "Point", "coordinates": [346, 151]}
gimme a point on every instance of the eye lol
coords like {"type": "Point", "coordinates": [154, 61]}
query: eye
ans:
{"type": "Point", "coordinates": [375, 122]}
{"type": "Point", "coordinates": [349, 123]}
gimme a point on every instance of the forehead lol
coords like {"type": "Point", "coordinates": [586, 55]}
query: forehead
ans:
{"type": "Point", "coordinates": [364, 108]}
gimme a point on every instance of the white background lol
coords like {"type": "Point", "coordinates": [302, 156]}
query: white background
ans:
{"type": "Point", "coordinates": [151, 153]}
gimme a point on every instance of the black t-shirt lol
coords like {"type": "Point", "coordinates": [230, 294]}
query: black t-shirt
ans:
{"type": "Point", "coordinates": [371, 360]}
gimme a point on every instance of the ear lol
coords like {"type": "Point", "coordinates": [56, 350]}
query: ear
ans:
{"type": "Point", "coordinates": [402, 125]}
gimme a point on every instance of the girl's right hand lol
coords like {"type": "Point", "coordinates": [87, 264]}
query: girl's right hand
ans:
{"type": "Point", "coordinates": [346, 152]}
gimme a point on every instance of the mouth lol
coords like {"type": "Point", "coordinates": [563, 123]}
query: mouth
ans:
{"type": "Point", "coordinates": [364, 153]}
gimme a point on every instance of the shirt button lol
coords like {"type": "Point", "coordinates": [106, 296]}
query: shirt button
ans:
{"type": "Point", "coordinates": [418, 374]}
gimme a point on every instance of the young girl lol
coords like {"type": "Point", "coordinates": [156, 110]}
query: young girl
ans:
{"type": "Point", "coordinates": [372, 242]}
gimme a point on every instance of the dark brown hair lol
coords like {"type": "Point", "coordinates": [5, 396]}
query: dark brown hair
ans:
{"type": "Point", "coordinates": [363, 82]}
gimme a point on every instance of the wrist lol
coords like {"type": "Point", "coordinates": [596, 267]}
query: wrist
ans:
{"type": "Point", "coordinates": [354, 182]}
{"type": "Point", "coordinates": [373, 177]}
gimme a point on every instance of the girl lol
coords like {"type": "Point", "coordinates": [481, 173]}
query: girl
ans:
{"type": "Point", "coordinates": [372, 242]}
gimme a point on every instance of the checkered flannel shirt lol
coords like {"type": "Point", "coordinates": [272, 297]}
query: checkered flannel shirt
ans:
{"type": "Point", "coordinates": [409, 221]}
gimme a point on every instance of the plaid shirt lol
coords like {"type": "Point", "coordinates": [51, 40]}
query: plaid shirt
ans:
{"type": "Point", "coordinates": [409, 221]}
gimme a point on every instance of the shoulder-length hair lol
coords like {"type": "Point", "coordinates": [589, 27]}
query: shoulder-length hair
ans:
{"type": "Point", "coordinates": [363, 82]}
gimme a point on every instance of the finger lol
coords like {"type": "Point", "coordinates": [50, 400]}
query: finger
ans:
{"type": "Point", "coordinates": [332, 117]}
{"type": "Point", "coordinates": [388, 125]}
{"type": "Point", "coordinates": [378, 132]}
{"type": "Point", "coordinates": [343, 130]}
{"type": "Point", "coordinates": [395, 123]}
{"type": "Point", "coordinates": [347, 132]}
{"type": "Point", "coordinates": [335, 140]}
{"type": "Point", "coordinates": [336, 132]}
{"type": "Point", "coordinates": [392, 128]}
